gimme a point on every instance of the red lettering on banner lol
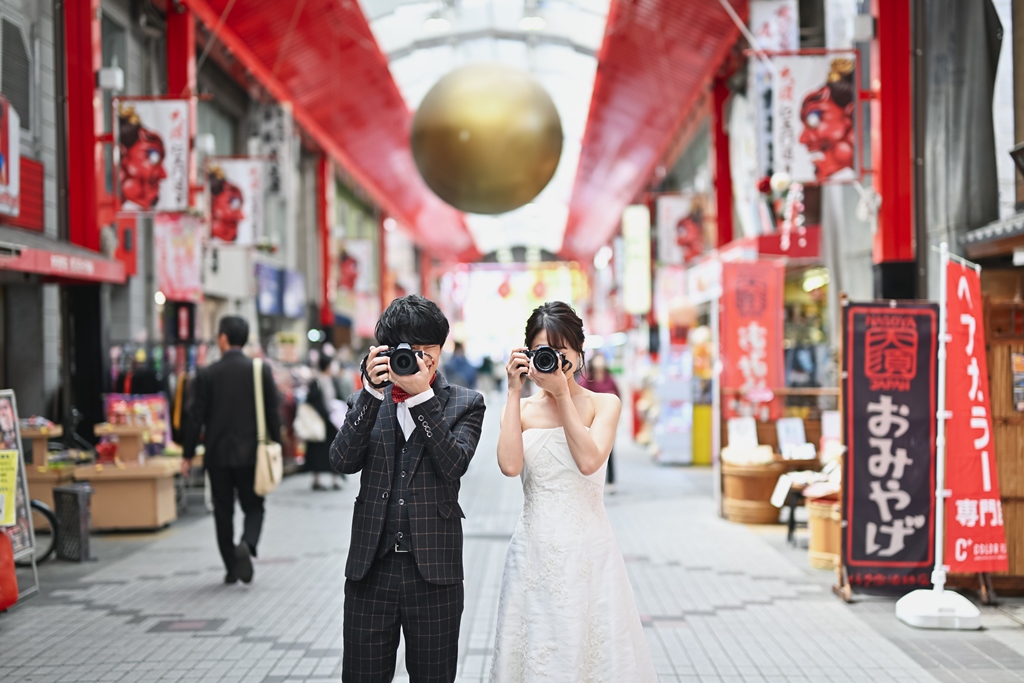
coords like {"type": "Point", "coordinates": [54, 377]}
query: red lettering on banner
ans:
{"type": "Point", "coordinates": [975, 536]}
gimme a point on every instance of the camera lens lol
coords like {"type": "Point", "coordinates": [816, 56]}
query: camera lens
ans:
{"type": "Point", "coordinates": [545, 359]}
{"type": "Point", "coordinates": [403, 360]}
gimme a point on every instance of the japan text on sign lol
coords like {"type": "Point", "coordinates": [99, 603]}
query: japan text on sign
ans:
{"type": "Point", "coordinates": [889, 396]}
{"type": "Point", "coordinates": [152, 140]}
{"type": "Point", "coordinates": [751, 333]}
{"type": "Point", "coordinates": [975, 536]}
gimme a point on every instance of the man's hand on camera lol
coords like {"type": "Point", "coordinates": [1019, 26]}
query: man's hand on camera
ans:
{"type": "Point", "coordinates": [414, 384]}
{"type": "Point", "coordinates": [377, 367]}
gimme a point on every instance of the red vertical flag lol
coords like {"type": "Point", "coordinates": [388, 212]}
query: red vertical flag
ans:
{"type": "Point", "coordinates": [975, 536]}
{"type": "Point", "coordinates": [751, 334]}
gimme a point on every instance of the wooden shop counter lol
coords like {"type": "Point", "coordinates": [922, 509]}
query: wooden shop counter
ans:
{"type": "Point", "coordinates": [131, 495]}
{"type": "Point", "coordinates": [41, 482]}
{"type": "Point", "coordinates": [40, 436]}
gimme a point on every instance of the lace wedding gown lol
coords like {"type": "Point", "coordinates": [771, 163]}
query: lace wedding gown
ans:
{"type": "Point", "coordinates": [566, 611]}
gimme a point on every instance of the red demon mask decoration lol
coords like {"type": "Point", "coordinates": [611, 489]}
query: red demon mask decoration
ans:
{"type": "Point", "coordinates": [827, 115]}
{"type": "Point", "coordinates": [142, 160]}
{"type": "Point", "coordinates": [225, 206]}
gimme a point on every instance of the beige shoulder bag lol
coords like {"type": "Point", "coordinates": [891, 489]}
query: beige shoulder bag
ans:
{"type": "Point", "coordinates": [269, 459]}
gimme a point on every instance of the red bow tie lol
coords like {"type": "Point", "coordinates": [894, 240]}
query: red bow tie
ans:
{"type": "Point", "coordinates": [399, 395]}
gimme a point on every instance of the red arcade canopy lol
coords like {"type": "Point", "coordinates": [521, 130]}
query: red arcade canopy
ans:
{"type": "Point", "coordinates": [656, 59]}
{"type": "Point", "coordinates": [321, 57]}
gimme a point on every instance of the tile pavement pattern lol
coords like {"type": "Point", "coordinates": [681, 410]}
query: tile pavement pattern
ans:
{"type": "Point", "coordinates": [720, 602]}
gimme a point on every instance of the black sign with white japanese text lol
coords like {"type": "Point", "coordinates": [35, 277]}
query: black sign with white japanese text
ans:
{"type": "Point", "coordinates": [889, 394]}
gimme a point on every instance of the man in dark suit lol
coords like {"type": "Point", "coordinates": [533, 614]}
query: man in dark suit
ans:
{"type": "Point", "coordinates": [412, 436]}
{"type": "Point", "coordinates": [224, 403]}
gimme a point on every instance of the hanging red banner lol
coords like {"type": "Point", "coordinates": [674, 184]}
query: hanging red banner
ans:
{"type": "Point", "coordinates": [751, 334]}
{"type": "Point", "coordinates": [975, 536]}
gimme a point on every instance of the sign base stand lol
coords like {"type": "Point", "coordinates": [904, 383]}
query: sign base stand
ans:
{"type": "Point", "coordinates": [938, 609]}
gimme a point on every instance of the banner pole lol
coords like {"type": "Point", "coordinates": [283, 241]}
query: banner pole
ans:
{"type": "Point", "coordinates": [939, 573]}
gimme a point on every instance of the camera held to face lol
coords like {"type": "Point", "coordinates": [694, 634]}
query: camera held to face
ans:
{"type": "Point", "coordinates": [546, 359]}
{"type": "Point", "coordinates": [403, 359]}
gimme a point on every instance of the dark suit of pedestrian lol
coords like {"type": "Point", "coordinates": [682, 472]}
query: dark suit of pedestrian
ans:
{"type": "Point", "coordinates": [224, 408]}
{"type": "Point", "coordinates": [408, 496]}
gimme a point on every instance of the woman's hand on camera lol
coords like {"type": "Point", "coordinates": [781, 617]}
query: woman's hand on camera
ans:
{"type": "Point", "coordinates": [555, 383]}
{"type": "Point", "coordinates": [378, 367]}
{"type": "Point", "coordinates": [516, 368]}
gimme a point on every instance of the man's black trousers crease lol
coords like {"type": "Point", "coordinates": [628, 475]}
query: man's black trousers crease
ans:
{"type": "Point", "coordinates": [393, 597]}
{"type": "Point", "coordinates": [224, 483]}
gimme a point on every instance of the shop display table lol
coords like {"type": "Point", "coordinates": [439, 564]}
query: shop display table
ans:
{"type": "Point", "coordinates": [132, 495]}
{"type": "Point", "coordinates": [41, 481]}
{"type": "Point", "coordinates": [129, 439]}
{"type": "Point", "coordinates": [40, 436]}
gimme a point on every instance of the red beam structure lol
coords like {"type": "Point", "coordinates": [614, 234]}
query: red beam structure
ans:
{"type": "Point", "coordinates": [892, 120]}
{"type": "Point", "coordinates": [723, 170]}
{"type": "Point", "coordinates": [181, 73]}
{"type": "Point", "coordinates": [656, 61]}
{"type": "Point", "coordinates": [84, 119]}
{"type": "Point", "coordinates": [324, 190]}
{"type": "Point", "coordinates": [320, 57]}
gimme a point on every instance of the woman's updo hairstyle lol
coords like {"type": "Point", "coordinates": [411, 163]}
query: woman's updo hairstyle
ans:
{"type": "Point", "coordinates": [563, 327]}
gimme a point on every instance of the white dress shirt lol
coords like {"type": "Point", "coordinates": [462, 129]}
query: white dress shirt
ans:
{"type": "Point", "coordinates": [404, 416]}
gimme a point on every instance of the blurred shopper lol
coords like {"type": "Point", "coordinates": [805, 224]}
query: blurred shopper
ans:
{"type": "Point", "coordinates": [600, 381]}
{"type": "Point", "coordinates": [565, 579]}
{"type": "Point", "coordinates": [412, 437]}
{"type": "Point", "coordinates": [459, 370]}
{"type": "Point", "coordinates": [485, 376]}
{"type": "Point", "coordinates": [224, 405]}
{"type": "Point", "coordinates": [324, 391]}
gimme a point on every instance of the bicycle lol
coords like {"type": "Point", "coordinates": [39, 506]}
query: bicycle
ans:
{"type": "Point", "coordinates": [46, 531]}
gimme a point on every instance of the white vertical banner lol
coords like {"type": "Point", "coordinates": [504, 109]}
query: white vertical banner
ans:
{"type": "Point", "coordinates": [151, 139]}
{"type": "Point", "coordinates": [813, 103]}
{"type": "Point", "coordinates": [636, 283]}
{"type": "Point", "coordinates": [680, 227]}
{"type": "Point", "coordinates": [775, 25]}
{"type": "Point", "coordinates": [10, 159]}
{"type": "Point", "coordinates": [235, 187]}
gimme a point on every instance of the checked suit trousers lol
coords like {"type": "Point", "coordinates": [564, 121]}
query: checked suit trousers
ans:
{"type": "Point", "coordinates": [393, 597]}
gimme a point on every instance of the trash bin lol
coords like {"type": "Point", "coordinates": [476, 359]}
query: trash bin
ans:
{"type": "Point", "coordinates": [71, 505]}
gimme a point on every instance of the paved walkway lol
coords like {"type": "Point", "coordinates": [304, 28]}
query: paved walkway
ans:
{"type": "Point", "coordinates": [720, 602]}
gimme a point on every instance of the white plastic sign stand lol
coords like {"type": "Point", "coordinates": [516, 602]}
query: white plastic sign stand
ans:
{"type": "Point", "coordinates": [938, 608]}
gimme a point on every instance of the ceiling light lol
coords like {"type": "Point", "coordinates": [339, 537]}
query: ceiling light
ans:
{"type": "Point", "coordinates": [159, 299]}
{"type": "Point", "coordinates": [532, 22]}
{"type": "Point", "coordinates": [435, 23]}
{"type": "Point", "coordinates": [603, 257]}
{"type": "Point", "coordinates": [390, 224]}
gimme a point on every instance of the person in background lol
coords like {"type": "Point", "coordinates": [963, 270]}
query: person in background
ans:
{"type": "Point", "coordinates": [600, 381]}
{"type": "Point", "coordinates": [459, 370]}
{"type": "Point", "coordinates": [324, 390]}
{"type": "Point", "coordinates": [224, 405]}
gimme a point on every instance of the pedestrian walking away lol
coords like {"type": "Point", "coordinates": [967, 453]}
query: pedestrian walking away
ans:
{"type": "Point", "coordinates": [223, 413]}
{"type": "Point", "coordinates": [412, 435]}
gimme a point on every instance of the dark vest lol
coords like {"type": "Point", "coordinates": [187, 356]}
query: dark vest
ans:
{"type": "Point", "coordinates": [397, 529]}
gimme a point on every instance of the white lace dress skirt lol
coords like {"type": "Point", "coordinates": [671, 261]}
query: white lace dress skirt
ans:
{"type": "Point", "coordinates": [566, 612]}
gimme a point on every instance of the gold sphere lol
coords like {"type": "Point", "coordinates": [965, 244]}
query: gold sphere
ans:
{"type": "Point", "coordinates": [487, 138]}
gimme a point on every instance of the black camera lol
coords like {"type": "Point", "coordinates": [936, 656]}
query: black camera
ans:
{"type": "Point", "coordinates": [403, 359]}
{"type": "Point", "coordinates": [546, 359]}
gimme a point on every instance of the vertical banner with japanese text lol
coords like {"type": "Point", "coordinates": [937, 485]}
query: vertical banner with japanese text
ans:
{"type": "Point", "coordinates": [975, 535]}
{"type": "Point", "coordinates": [178, 242]}
{"type": "Point", "coordinates": [889, 405]}
{"type": "Point", "coordinates": [751, 338]}
{"type": "Point", "coordinates": [151, 138]}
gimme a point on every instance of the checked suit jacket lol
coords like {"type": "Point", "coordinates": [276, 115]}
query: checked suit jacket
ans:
{"type": "Point", "coordinates": [444, 441]}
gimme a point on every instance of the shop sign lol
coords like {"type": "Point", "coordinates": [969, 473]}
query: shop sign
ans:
{"type": "Point", "coordinates": [1017, 360]}
{"type": "Point", "coordinates": [751, 338]}
{"type": "Point", "coordinates": [975, 535]}
{"type": "Point", "coordinates": [813, 102]}
{"type": "Point", "coordinates": [178, 241]}
{"type": "Point", "coordinates": [704, 281]}
{"type": "Point", "coordinates": [680, 227]}
{"type": "Point", "coordinates": [235, 187]}
{"type": "Point", "coordinates": [293, 292]}
{"type": "Point", "coordinates": [151, 139]}
{"type": "Point", "coordinates": [775, 25]}
{"type": "Point", "coordinates": [268, 290]}
{"type": "Point", "coordinates": [889, 405]}
{"type": "Point", "coordinates": [10, 159]}
{"type": "Point", "coordinates": [14, 496]}
{"type": "Point", "coordinates": [636, 282]}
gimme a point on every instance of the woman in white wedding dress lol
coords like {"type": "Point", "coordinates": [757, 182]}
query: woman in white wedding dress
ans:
{"type": "Point", "coordinates": [566, 611]}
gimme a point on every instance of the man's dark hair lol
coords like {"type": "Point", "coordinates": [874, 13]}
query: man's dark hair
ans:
{"type": "Point", "coordinates": [324, 362]}
{"type": "Point", "coordinates": [459, 347]}
{"type": "Point", "coordinates": [414, 320]}
{"type": "Point", "coordinates": [235, 328]}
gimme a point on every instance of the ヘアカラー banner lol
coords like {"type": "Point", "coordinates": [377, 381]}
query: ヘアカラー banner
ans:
{"type": "Point", "coordinates": [152, 142]}
{"type": "Point", "coordinates": [975, 535]}
{"type": "Point", "coordinates": [889, 399]}
{"type": "Point", "coordinates": [751, 338]}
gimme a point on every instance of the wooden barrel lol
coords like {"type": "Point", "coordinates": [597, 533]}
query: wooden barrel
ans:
{"type": "Point", "coordinates": [747, 492]}
{"type": "Point", "coordinates": [823, 525]}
